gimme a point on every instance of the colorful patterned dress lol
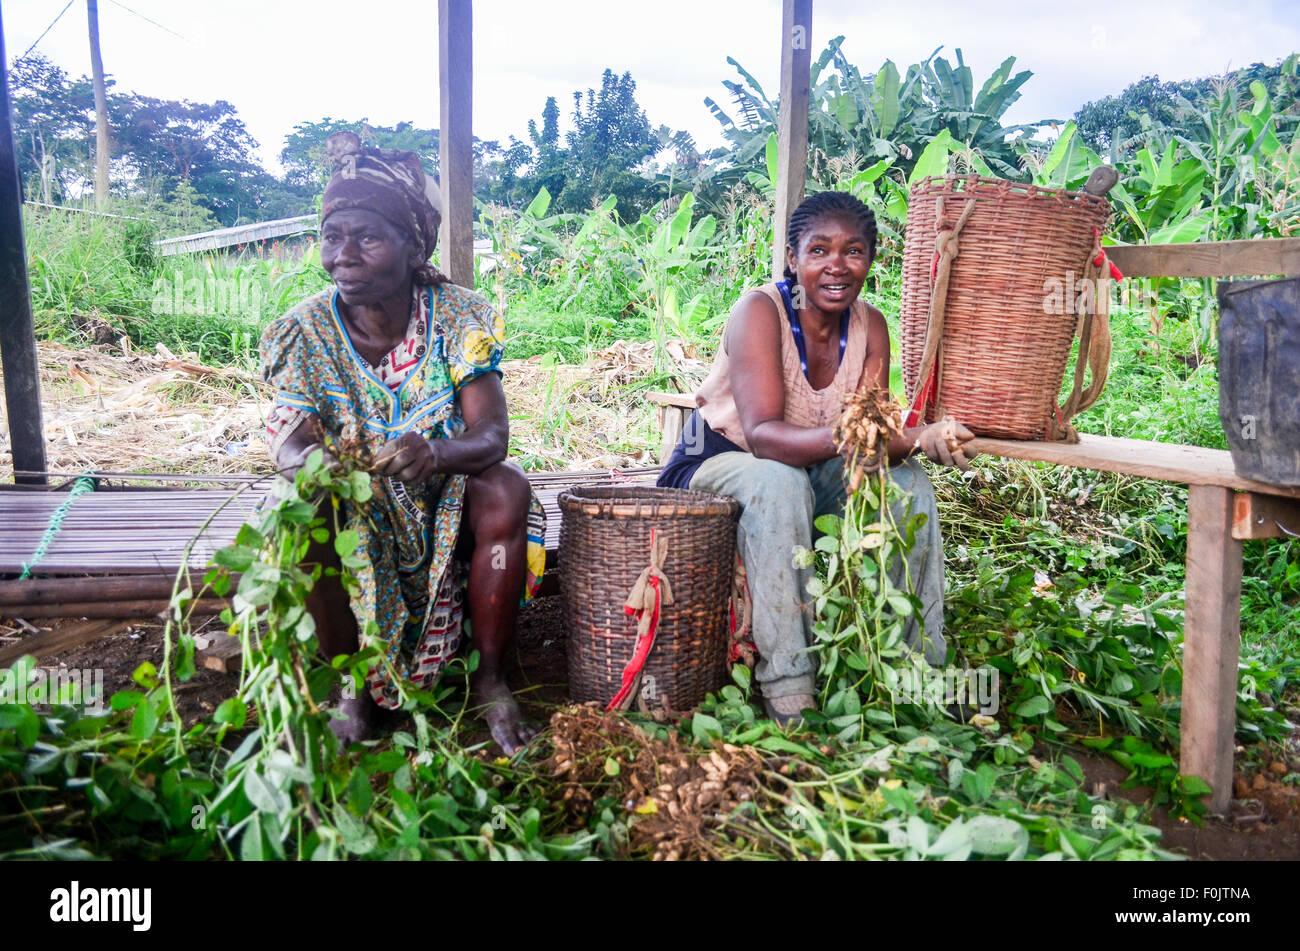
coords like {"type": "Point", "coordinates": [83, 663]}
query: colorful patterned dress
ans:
{"type": "Point", "coordinates": [412, 587]}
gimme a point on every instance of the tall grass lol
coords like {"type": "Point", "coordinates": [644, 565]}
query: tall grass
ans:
{"type": "Point", "coordinates": [79, 265]}
{"type": "Point", "coordinates": [96, 278]}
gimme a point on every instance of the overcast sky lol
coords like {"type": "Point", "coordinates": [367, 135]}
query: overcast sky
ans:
{"type": "Point", "coordinates": [281, 63]}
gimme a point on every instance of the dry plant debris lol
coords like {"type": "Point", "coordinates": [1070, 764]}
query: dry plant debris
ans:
{"type": "Point", "coordinates": [566, 416]}
{"type": "Point", "coordinates": [116, 408]}
{"type": "Point", "coordinates": [124, 409]}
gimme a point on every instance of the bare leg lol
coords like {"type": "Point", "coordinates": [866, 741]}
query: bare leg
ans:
{"type": "Point", "coordinates": [336, 630]}
{"type": "Point", "coordinates": [496, 513]}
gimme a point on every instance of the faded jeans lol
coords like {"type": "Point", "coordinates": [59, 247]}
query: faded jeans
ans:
{"type": "Point", "coordinates": [778, 505]}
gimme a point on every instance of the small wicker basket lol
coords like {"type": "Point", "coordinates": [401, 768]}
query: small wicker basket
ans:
{"type": "Point", "coordinates": [606, 539]}
{"type": "Point", "coordinates": [1002, 352]}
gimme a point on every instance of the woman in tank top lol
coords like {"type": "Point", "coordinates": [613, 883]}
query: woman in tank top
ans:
{"type": "Point", "coordinates": [762, 433]}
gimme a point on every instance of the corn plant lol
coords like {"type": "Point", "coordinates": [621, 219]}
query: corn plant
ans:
{"type": "Point", "coordinates": [669, 253]}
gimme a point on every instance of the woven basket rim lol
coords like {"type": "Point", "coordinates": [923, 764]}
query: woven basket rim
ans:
{"type": "Point", "coordinates": [627, 500]}
{"type": "Point", "coordinates": [1004, 187]}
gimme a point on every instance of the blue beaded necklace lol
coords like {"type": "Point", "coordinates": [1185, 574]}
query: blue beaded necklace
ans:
{"type": "Point", "coordinates": [792, 315]}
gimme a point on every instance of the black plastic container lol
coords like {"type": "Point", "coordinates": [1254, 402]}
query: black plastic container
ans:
{"type": "Point", "coordinates": [1259, 377]}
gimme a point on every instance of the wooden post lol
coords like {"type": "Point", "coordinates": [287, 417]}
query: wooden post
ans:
{"type": "Point", "coordinates": [792, 122]}
{"type": "Point", "coordinates": [672, 420]}
{"type": "Point", "coordinates": [455, 139]}
{"type": "Point", "coordinates": [101, 108]}
{"type": "Point", "coordinates": [1211, 636]}
{"type": "Point", "coordinates": [17, 339]}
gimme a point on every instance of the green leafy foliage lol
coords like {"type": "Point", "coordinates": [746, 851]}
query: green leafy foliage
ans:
{"type": "Point", "coordinates": [265, 777]}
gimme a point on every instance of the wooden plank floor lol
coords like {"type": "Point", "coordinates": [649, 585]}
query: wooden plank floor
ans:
{"type": "Point", "coordinates": [146, 531]}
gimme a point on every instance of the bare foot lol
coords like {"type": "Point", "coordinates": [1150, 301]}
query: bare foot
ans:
{"type": "Point", "coordinates": [499, 709]}
{"type": "Point", "coordinates": [359, 725]}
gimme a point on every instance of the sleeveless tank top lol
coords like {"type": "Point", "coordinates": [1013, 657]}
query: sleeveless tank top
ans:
{"type": "Point", "coordinates": [804, 406]}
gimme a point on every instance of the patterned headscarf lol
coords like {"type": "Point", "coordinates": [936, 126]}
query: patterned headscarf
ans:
{"type": "Point", "coordinates": [392, 184]}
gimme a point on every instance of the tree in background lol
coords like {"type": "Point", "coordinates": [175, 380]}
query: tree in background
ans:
{"type": "Point", "coordinates": [158, 145]}
{"type": "Point", "coordinates": [51, 131]}
{"type": "Point", "coordinates": [1115, 124]}
{"type": "Point", "coordinates": [610, 140]}
{"type": "Point", "coordinates": [206, 145]}
{"type": "Point", "coordinates": [548, 160]}
{"type": "Point", "coordinates": [306, 171]}
{"type": "Point", "coordinates": [497, 172]}
{"type": "Point", "coordinates": [609, 151]}
{"type": "Point", "coordinates": [182, 213]}
{"type": "Point", "coordinates": [303, 155]}
{"type": "Point", "coordinates": [1148, 111]}
{"type": "Point", "coordinates": [868, 132]}
{"type": "Point", "coordinates": [856, 118]}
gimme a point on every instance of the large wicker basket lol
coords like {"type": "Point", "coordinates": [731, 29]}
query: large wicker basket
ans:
{"type": "Point", "coordinates": [606, 539]}
{"type": "Point", "coordinates": [1003, 347]}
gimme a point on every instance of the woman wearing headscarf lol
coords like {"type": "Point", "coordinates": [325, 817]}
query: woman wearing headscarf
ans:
{"type": "Point", "coordinates": [398, 361]}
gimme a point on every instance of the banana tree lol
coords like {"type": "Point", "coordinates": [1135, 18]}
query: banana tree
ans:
{"type": "Point", "coordinates": [1066, 165]}
{"type": "Point", "coordinates": [883, 115]}
{"type": "Point", "coordinates": [975, 119]}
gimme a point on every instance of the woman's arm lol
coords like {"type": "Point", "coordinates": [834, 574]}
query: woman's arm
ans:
{"type": "Point", "coordinates": [878, 357]}
{"type": "Point", "coordinates": [413, 459]}
{"type": "Point", "coordinates": [753, 344]}
{"type": "Point", "coordinates": [877, 369]}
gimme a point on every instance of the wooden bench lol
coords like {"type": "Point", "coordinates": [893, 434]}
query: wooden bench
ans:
{"type": "Point", "coordinates": [1223, 510]}
{"type": "Point", "coordinates": [122, 531]}
{"type": "Point", "coordinates": [674, 409]}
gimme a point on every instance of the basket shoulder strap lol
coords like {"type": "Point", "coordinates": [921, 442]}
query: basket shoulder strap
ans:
{"type": "Point", "coordinates": [1094, 355]}
{"type": "Point", "coordinates": [930, 376]}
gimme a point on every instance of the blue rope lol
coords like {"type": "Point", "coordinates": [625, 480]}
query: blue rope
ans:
{"type": "Point", "coordinates": [79, 488]}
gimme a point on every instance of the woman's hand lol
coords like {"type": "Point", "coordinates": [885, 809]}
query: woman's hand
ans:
{"type": "Point", "coordinates": [410, 459]}
{"type": "Point", "coordinates": [944, 442]}
{"type": "Point", "coordinates": [302, 442]}
{"type": "Point", "coordinates": [297, 458]}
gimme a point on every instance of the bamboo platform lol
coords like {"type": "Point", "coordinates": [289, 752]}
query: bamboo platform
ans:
{"type": "Point", "coordinates": [125, 531]}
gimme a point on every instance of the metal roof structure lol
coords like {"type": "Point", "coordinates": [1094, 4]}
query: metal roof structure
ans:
{"type": "Point", "coordinates": [240, 234]}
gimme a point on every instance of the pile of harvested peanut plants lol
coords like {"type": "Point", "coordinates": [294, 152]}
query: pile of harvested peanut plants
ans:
{"type": "Point", "coordinates": [683, 797]}
{"type": "Point", "coordinates": [870, 418]}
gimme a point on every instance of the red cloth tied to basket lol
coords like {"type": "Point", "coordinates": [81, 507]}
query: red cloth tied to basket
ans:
{"type": "Point", "coordinates": [645, 602]}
